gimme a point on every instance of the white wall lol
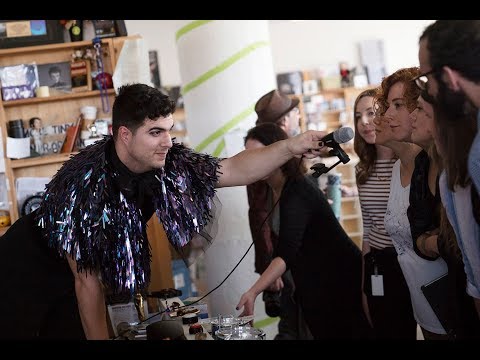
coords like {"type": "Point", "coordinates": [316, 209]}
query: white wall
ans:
{"type": "Point", "coordinates": [301, 45]}
{"type": "Point", "coordinates": [160, 36]}
{"type": "Point", "coordinates": [304, 45]}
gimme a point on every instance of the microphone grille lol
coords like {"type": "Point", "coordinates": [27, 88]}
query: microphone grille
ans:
{"type": "Point", "coordinates": [170, 328]}
{"type": "Point", "coordinates": [343, 135]}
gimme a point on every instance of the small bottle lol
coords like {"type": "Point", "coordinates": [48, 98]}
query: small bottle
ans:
{"type": "Point", "coordinates": [76, 31]}
{"type": "Point", "coordinates": [334, 193]}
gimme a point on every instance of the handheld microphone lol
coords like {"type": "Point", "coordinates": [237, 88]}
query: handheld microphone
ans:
{"type": "Point", "coordinates": [333, 140]}
{"type": "Point", "coordinates": [337, 137]}
{"type": "Point", "coordinates": [166, 329]}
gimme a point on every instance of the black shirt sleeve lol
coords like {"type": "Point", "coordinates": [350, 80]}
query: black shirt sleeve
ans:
{"type": "Point", "coordinates": [295, 214]}
{"type": "Point", "coordinates": [424, 210]}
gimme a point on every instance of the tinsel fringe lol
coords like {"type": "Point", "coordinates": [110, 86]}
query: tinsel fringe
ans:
{"type": "Point", "coordinates": [83, 215]}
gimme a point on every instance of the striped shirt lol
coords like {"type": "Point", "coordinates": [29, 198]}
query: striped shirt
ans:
{"type": "Point", "coordinates": [373, 195]}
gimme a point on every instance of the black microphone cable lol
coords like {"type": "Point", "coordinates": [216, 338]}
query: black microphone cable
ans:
{"type": "Point", "coordinates": [231, 271]}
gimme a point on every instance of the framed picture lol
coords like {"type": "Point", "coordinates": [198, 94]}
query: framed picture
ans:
{"type": "Point", "coordinates": [19, 33]}
{"type": "Point", "coordinates": [104, 28]}
{"type": "Point", "coordinates": [121, 28]}
{"type": "Point", "coordinates": [154, 69]}
{"type": "Point", "coordinates": [57, 76]}
{"type": "Point", "coordinates": [290, 83]}
{"type": "Point", "coordinates": [80, 74]}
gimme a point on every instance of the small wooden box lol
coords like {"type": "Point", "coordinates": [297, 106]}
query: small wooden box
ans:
{"type": "Point", "coordinates": [80, 73]}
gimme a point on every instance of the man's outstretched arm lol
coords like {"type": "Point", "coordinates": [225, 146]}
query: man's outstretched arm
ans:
{"type": "Point", "coordinates": [252, 165]}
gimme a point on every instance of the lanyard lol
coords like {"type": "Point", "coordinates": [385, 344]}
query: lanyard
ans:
{"type": "Point", "coordinates": [97, 44]}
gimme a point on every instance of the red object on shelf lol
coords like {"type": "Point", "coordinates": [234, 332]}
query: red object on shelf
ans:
{"type": "Point", "coordinates": [104, 81]}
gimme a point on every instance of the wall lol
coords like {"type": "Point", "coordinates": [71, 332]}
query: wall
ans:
{"type": "Point", "coordinates": [301, 45]}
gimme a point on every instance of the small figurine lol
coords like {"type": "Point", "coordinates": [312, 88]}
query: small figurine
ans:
{"type": "Point", "coordinates": [345, 75]}
{"type": "Point", "coordinates": [77, 55]}
{"type": "Point", "coordinates": [36, 136]}
{"type": "Point", "coordinates": [88, 54]}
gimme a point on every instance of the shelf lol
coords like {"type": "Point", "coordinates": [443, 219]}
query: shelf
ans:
{"type": "Point", "coordinates": [355, 234]}
{"type": "Point", "coordinates": [174, 133]}
{"type": "Point", "coordinates": [335, 111]}
{"type": "Point", "coordinates": [332, 90]}
{"type": "Point", "coordinates": [350, 217]}
{"type": "Point", "coordinates": [40, 160]}
{"type": "Point", "coordinates": [35, 100]}
{"type": "Point", "coordinates": [179, 115]}
{"type": "Point", "coordinates": [348, 182]}
{"type": "Point", "coordinates": [48, 48]}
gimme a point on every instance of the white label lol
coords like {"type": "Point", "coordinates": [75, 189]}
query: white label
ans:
{"type": "Point", "coordinates": [179, 281]}
{"type": "Point", "coordinates": [377, 285]}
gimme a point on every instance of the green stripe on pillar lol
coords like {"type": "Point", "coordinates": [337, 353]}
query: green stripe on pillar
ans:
{"type": "Point", "coordinates": [223, 66]}
{"type": "Point", "coordinates": [265, 322]}
{"type": "Point", "coordinates": [189, 27]}
{"type": "Point", "coordinates": [225, 128]}
{"type": "Point", "coordinates": [218, 150]}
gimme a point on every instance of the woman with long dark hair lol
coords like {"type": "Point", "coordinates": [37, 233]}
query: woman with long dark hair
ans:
{"type": "Point", "coordinates": [324, 261]}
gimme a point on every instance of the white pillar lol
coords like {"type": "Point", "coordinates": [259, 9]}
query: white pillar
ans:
{"type": "Point", "coordinates": [225, 67]}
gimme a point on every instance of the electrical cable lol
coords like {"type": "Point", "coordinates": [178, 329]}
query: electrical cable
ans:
{"type": "Point", "coordinates": [231, 271]}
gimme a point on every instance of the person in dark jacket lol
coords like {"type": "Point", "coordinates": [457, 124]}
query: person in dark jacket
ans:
{"type": "Point", "coordinates": [324, 261]}
{"type": "Point", "coordinates": [275, 108]}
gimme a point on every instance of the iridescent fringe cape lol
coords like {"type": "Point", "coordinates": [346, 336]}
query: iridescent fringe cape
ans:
{"type": "Point", "coordinates": [83, 214]}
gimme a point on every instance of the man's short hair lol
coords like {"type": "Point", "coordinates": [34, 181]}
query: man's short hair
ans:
{"type": "Point", "coordinates": [54, 69]}
{"type": "Point", "coordinates": [135, 103]}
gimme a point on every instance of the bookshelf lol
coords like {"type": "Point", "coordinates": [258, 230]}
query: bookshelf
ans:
{"type": "Point", "coordinates": [52, 110]}
{"type": "Point", "coordinates": [327, 111]}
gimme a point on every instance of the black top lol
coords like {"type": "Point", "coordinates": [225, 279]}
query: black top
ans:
{"type": "Point", "coordinates": [424, 210]}
{"type": "Point", "coordinates": [325, 262]}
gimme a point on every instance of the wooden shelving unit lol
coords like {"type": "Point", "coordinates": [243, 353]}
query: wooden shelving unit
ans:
{"type": "Point", "coordinates": [79, 95]}
{"type": "Point", "coordinates": [328, 116]}
{"type": "Point", "coordinates": [52, 110]}
{"type": "Point", "coordinates": [40, 160]}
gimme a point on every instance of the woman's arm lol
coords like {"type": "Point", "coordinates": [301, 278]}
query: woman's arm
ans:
{"type": "Point", "coordinates": [91, 303]}
{"type": "Point", "coordinates": [276, 268]}
{"type": "Point", "coordinates": [427, 244]}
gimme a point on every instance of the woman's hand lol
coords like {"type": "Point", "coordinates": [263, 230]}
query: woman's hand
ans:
{"type": "Point", "coordinates": [247, 301]}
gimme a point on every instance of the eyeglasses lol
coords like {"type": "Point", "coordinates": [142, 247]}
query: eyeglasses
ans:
{"type": "Point", "coordinates": [422, 80]}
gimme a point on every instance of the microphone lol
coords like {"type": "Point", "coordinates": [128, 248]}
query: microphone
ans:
{"type": "Point", "coordinates": [166, 329]}
{"type": "Point", "coordinates": [333, 140]}
{"type": "Point", "coordinates": [337, 137]}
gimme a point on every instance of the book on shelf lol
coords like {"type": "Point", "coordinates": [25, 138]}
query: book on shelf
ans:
{"type": "Point", "coordinates": [71, 137]}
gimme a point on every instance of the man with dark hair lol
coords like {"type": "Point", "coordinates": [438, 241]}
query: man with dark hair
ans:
{"type": "Point", "coordinates": [88, 237]}
{"type": "Point", "coordinates": [449, 56]}
{"type": "Point", "coordinates": [55, 74]}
